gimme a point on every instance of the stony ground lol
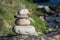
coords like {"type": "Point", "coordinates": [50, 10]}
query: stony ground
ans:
{"type": "Point", "coordinates": [25, 37]}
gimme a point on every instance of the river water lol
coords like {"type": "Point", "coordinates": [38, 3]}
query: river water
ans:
{"type": "Point", "coordinates": [51, 2]}
{"type": "Point", "coordinates": [53, 20]}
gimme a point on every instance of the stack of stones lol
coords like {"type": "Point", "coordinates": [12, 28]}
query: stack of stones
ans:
{"type": "Point", "coordinates": [23, 23]}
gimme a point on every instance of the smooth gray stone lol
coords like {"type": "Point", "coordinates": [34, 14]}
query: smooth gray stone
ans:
{"type": "Point", "coordinates": [22, 22]}
{"type": "Point", "coordinates": [24, 11]}
{"type": "Point", "coordinates": [29, 30]}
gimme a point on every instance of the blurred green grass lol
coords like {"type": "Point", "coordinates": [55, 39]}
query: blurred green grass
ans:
{"type": "Point", "coordinates": [39, 24]}
{"type": "Point", "coordinates": [7, 13]}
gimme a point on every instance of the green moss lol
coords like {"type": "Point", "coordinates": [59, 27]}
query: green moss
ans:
{"type": "Point", "coordinates": [39, 24]}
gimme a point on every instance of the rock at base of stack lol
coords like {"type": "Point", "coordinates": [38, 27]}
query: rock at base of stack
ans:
{"type": "Point", "coordinates": [28, 30]}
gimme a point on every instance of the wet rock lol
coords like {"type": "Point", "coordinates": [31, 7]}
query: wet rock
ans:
{"type": "Point", "coordinates": [23, 22]}
{"type": "Point", "coordinates": [29, 30]}
{"type": "Point", "coordinates": [55, 35]}
{"type": "Point", "coordinates": [57, 15]}
{"type": "Point", "coordinates": [54, 7]}
{"type": "Point", "coordinates": [40, 6]}
{"type": "Point", "coordinates": [47, 9]}
{"type": "Point", "coordinates": [57, 20]}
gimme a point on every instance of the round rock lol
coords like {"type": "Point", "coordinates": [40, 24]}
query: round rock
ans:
{"type": "Point", "coordinates": [22, 22]}
{"type": "Point", "coordinates": [24, 11]}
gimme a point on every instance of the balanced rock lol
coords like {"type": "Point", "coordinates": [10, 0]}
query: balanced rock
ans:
{"type": "Point", "coordinates": [21, 16]}
{"type": "Point", "coordinates": [24, 11]}
{"type": "Point", "coordinates": [28, 30]}
{"type": "Point", "coordinates": [22, 22]}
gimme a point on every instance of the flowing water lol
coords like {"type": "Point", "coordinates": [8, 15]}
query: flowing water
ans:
{"type": "Point", "coordinates": [53, 20]}
{"type": "Point", "coordinates": [51, 2]}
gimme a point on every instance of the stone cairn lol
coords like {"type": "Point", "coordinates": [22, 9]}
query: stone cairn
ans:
{"type": "Point", "coordinates": [23, 23]}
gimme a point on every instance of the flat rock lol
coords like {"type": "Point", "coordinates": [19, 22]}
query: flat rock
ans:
{"type": "Point", "coordinates": [26, 37]}
{"type": "Point", "coordinates": [28, 30]}
{"type": "Point", "coordinates": [23, 22]}
{"type": "Point", "coordinates": [55, 35]}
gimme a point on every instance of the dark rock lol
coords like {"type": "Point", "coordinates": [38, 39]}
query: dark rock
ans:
{"type": "Point", "coordinates": [57, 20]}
{"type": "Point", "coordinates": [55, 35]}
{"type": "Point", "coordinates": [21, 16]}
{"type": "Point", "coordinates": [25, 37]}
{"type": "Point", "coordinates": [54, 7]}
